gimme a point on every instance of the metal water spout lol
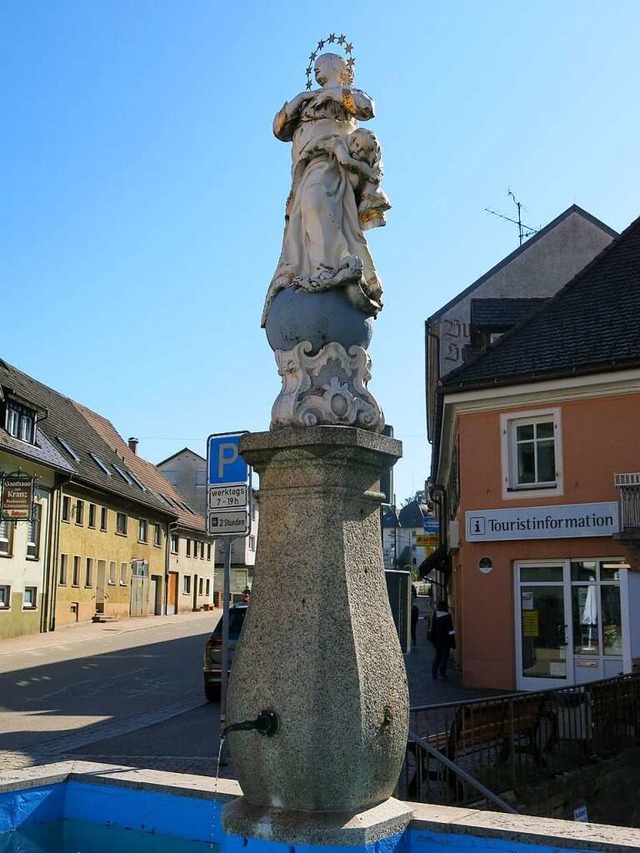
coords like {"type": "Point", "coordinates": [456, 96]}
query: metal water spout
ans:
{"type": "Point", "coordinates": [266, 723]}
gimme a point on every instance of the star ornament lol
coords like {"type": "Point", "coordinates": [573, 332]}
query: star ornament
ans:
{"type": "Point", "coordinates": [331, 39]}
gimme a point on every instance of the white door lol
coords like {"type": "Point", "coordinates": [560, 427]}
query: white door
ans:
{"type": "Point", "coordinates": [543, 618]}
{"type": "Point", "coordinates": [571, 622]}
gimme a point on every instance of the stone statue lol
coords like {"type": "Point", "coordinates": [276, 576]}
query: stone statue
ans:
{"type": "Point", "coordinates": [335, 191]}
{"type": "Point", "coordinates": [326, 292]}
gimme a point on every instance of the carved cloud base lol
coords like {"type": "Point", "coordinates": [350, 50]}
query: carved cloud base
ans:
{"type": "Point", "coordinates": [326, 389]}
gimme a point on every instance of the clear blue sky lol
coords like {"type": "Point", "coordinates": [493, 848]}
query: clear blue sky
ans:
{"type": "Point", "coordinates": [143, 192]}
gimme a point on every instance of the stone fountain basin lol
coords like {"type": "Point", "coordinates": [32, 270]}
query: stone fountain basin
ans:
{"type": "Point", "coordinates": [189, 807]}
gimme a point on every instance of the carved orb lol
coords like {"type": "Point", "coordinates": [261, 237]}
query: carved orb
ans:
{"type": "Point", "coordinates": [319, 318]}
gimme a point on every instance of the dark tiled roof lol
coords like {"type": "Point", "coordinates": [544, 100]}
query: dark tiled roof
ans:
{"type": "Point", "coordinates": [412, 514]}
{"type": "Point", "coordinates": [64, 420]}
{"type": "Point", "coordinates": [521, 250]}
{"type": "Point", "coordinates": [179, 453]}
{"type": "Point", "coordinates": [589, 325]}
{"type": "Point", "coordinates": [502, 313]}
{"type": "Point", "coordinates": [42, 451]}
{"type": "Point", "coordinates": [148, 474]}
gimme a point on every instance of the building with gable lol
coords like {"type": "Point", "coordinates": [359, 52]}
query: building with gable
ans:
{"type": "Point", "coordinates": [186, 581]}
{"type": "Point", "coordinates": [535, 443]}
{"type": "Point", "coordinates": [187, 472]}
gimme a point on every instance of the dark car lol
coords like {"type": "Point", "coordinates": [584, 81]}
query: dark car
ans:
{"type": "Point", "coordinates": [212, 663]}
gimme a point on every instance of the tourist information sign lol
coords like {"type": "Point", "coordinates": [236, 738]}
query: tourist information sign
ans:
{"type": "Point", "coordinates": [228, 486]}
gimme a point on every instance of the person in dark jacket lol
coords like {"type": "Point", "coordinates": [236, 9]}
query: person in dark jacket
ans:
{"type": "Point", "coordinates": [415, 614]}
{"type": "Point", "coordinates": [443, 637]}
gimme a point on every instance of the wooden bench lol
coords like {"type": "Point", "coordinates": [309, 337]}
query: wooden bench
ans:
{"type": "Point", "coordinates": [503, 728]}
{"type": "Point", "coordinates": [499, 729]}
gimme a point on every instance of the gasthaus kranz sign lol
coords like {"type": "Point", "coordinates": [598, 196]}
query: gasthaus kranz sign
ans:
{"type": "Point", "coordinates": [566, 521]}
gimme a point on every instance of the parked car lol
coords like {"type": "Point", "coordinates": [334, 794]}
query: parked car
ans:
{"type": "Point", "coordinates": [212, 663]}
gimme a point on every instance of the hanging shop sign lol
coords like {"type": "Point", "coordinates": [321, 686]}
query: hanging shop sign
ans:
{"type": "Point", "coordinates": [17, 497]}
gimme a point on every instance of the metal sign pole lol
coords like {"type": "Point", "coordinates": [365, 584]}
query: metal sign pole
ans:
{"type": "Point", "coordinates": [224, 663]}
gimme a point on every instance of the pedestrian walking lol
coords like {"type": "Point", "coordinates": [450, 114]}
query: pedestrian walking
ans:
{"type": "Point", "coordinates": [443, 637]}
{"type": "Point", "coordinates": [415, 614]}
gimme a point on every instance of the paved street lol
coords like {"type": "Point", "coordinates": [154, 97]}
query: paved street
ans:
{"type": "Point", "coordinates": [131, 693]}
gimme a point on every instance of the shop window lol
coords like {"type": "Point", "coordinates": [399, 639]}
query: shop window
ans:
{"type": "Point", "coordinates": [531, 453]}
{"type": "Point", "coordinates": [5, 597]}
{"type": "Point", "coordinates": [6, 538]}
{"type": "Point", "coordinates": [33, 533]}
{"type": "Point", "coordinates": [30, 598]}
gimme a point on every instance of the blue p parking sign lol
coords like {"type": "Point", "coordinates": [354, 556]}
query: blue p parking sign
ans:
{"type": "Point", "coordinates": [228, 486]}
{"type": "Point", "coordinates": [225, 463]}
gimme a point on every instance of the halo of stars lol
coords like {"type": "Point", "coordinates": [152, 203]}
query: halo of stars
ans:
{"type": "Point", "coordinates": [342, 42]}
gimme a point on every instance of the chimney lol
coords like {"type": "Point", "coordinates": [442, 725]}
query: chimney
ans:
{"type": "Point", "coordinates": [133, 445]}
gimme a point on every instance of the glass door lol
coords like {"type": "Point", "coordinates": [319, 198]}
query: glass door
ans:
{"type": "Point", "coordinates": [543, 616]}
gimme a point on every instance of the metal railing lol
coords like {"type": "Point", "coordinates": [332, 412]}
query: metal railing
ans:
{"type": "Point", "coordinates": [472, 752]}
{"type": "Point", "coordinates": [629, 486]}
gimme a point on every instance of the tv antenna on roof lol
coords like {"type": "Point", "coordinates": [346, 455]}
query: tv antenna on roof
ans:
{"type": "Point", "coordinates": [524, 231]}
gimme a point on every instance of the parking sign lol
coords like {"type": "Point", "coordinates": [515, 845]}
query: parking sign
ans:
{"type": "Point", "coordinates": [228, 486]}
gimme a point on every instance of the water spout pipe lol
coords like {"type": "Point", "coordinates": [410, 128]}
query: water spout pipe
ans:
{"type": "Point", "coordinates": [266, 723]}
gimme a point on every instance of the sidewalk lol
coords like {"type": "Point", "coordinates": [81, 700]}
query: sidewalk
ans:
{"type": "Point", "coordinates": [92, 630]}
{"type": "Point", "coordinates": [423, 690]}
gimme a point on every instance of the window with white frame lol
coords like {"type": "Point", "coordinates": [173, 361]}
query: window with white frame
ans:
{"type": "Point", "coordinates": [123, 573]}
{"type": "Point", "coordinates": [64, 569]}
{"type": "Point", "coordinates": [112, 572]}
{"type": "Point", "coordinates": [5, 596]}
{"type": "Point", "coordinates": [175, 539]}
{"type": "Point", "coordinates": [143, 530]}
{"type": "Point", "coordinates": [20, 422]}
{"type": "Point", "coordinates": [531, 452]}
{"type": "Point", "coordinates": [6, 538]}
{"type": "Point", "coordinates": [252, 543]}
{"type": "Point", "coordinates": [33, 533]}
{"type": "Point", "coordinates": [30, 598]}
